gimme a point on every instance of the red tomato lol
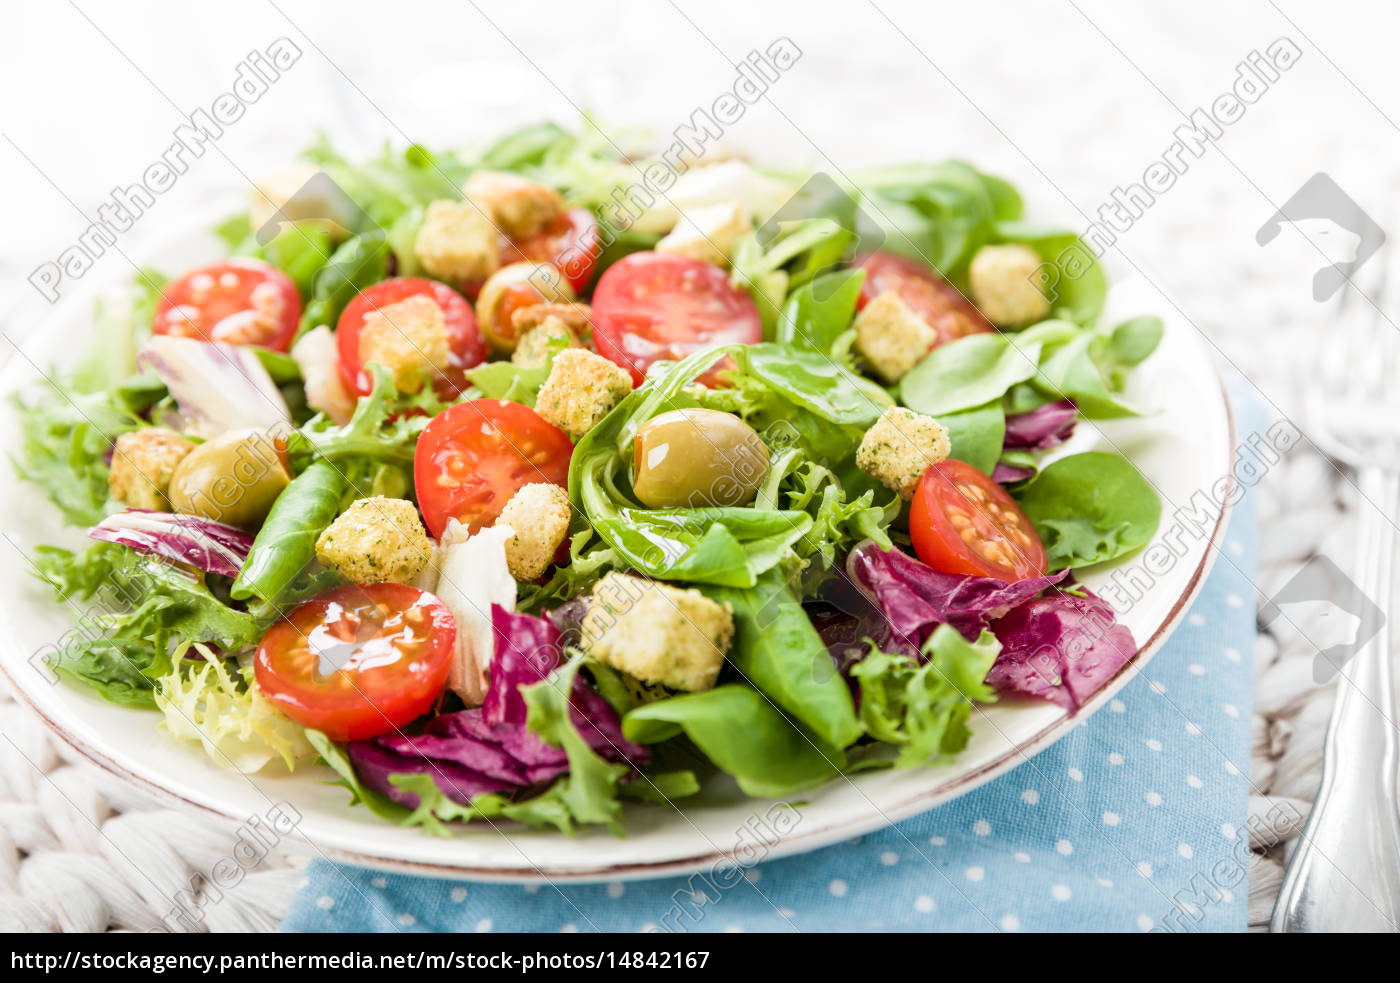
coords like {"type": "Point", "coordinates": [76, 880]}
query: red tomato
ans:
{"type": "Point", "coordinates": [240, 301]}
{"type": "Point", "coordinates": [934, 299]}
{"type": "Point", "coordinates": [961, 521]}
{"type": "Point", "coordinates": [474, 456]}
{"type": "Point", "coordinates": [570, 242]}
{"type": "Point", "coordinates": [464, 344]}
{"type": "Point", "coordinates": [358, 661]}
{"type": "Point", "coordinates": [653, 306]}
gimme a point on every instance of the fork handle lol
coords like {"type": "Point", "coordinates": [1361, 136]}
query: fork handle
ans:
{"type": "Point", "coordinates": [1345, 872]}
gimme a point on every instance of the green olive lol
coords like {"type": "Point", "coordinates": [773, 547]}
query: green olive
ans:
{"type": "Point", "coordinates": [232, 478]}
{"type": "Point", "coordinates": [692, 458]}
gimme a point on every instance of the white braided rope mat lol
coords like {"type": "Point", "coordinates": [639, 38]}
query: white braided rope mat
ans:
{"type": "Point", "coordinates": [81, 851]}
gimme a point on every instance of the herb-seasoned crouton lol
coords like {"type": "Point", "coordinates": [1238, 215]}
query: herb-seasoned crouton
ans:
{"type": "Point", "coordinates": [891, 337]}
{"type": "Point", "coordinates": [142, 465]}
{"type": "Point", "coordinates": [582, 387]}
{"type": "Point", "coordinates": [538, 515]}
{"type": "Point", "coordinates": [900, 447]}
{"type": "Point", "coordinates": [376, 540]}
{"type": "Point", "coordinates": [408, 338]}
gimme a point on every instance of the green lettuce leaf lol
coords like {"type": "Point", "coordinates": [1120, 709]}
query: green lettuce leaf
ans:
{"type": "Point", "coordinates": [1089, 508]}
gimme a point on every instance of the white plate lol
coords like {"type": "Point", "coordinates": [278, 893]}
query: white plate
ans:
{"type": "Point", "coordinates": [1184, 447]}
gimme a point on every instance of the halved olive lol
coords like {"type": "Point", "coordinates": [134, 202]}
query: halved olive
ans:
{"type": "Point", "coordinates": [513, 288]}
{"type": "Point", "coordinates": [694, 457]}
{"type": "Point", "coordinates": [232, 478]}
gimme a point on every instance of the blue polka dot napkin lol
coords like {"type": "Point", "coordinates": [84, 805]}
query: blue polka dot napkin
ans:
{"type": "Point", "coordinates": [1132, 822]}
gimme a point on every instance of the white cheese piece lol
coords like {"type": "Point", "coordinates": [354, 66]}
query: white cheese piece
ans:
{"type": "Point", "coordinates": [472, 576]}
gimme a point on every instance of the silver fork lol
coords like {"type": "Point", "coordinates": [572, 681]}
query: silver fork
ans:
{"type": "Point", "coordinates": [1344, 875]}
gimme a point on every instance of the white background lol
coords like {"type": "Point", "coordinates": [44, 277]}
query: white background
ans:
{"type": "Point", "coordinates": [1069, 100]}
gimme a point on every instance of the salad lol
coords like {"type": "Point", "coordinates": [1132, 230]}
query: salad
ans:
{"type": "Point", "coordinates": [505, 488]}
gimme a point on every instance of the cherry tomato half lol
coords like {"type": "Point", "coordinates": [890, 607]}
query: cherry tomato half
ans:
{"type": "Point", "coordinates": [570, 242]}
{"type": "Point", "coordinates": [474, 456]}
{"type": "Point", "coordinates": [934, 299]}
{"type": "Point", "coordinates": [649, 307]}
{"type": "Point", "coordinates": [464, 345]}
{"type": "Point", "coordinates": [240, 301]}
{"type": "Point", "coordinates": [961, 521]}
{"type": "Point", "coordinates": [358, 661]}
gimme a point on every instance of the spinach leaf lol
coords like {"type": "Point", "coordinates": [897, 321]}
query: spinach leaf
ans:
{"type": "Point", "coordinates": [817, 313]}
{"type": "Point", "coordinates": [977, 435]}
{"type": "Point", "coordinates": [1125, 345]}
{"type": "Point", "coordinates": [1089, 508]}
{"type": "Point", "coordinates": [359, 262]}
{"type": "Point", "coordinates": [969, 372]}
{"type": "Point", "coordinates": [741, 731]}
{"type": "Point", "coordinates": [286, 544]}
{"type": "Point", "coordinates": [777, 650]}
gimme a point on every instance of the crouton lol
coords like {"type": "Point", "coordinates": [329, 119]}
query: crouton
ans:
{"type": "Point", "coordinates": [538, 515]}
{"type": "Point", "coordinates": [518, 206]}
{"type": "Point", "coordinates": [409, 338]}
{"type": "Point", "coordinates": [577, 317]}
{"type": "Point", "coordinates": [707, 233]}
{"type": "Point", "coordinates": [891, 337]}
{"type": "Point", "coordinates": [535, 346]}
{"type": "Point", "coordinates": [376, 540]}
{"type": "Point", "coordinates": [582, 387]}
{"type": "Point", "coordinates": [457, 242]}
{"type": "Point", "coordinates": [900, 447]}
{"type": "Point", "coordinates": [142, 465]}
{"type": "Point", "coordinates": [657, 633]}
{"type": "Point", "coordinates": [1003, 284]}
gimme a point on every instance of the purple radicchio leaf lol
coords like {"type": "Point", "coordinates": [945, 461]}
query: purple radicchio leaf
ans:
{"type": "Point", "coordinates": [1062, 647]}
{"type": "Point", "coordinates": [489, 748]}
{"type": "Point", "coordinates": [1042, 428]}
{"type": "Point", "coordinates": [1005, 474]}
{"type": "Point", "coordinates": [915, 599]}
{"type": "Point", "coordinates": [202, 543]}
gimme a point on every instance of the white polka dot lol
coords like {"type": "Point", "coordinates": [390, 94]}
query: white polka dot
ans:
{"type": "Point", "coordinates": [1030, 796]}
{"type": "Point", "coordinates": [378, 882]}
{"type": "Point", "coordinates": [484, 925]}
{"type": "Point", "coordinates": [1115, 758]}
{"type": "Point", "coordinates": [1010, 923]}
{"type": "Point", "coordinates": [1231, 768]}
{"type": "Point", "coordinates": [325, 902]}
{"type": "Point", "coordinates": [974, 874]}
{"type": "Point", "coordinates": [1021, 858]}
{"type": "Point", "coordinates": [1227, 896]}
{"type": "Point", "coordinates": [1061, 893]}
{"type": "Point", "coordinates": [1064, 848]}
{"type": "Point", "coordinates": [1235, 547]}
{"type": "Point", "coordinates": [616, 890]}
{"type": "Point", "coordinates": [1111, 818]}
{"type": "Point", "coordinates": [1153, 744]}
{"type": "Point", "coordinates": [1075, 775]}
{"type": "Point", "coordinates": [1185, 850]}
{"type": "Point", "coordinates": [753, 875]}
{"type": "Point", "coordinates": [1103, 882]}
{"type": "Point", "coordinates": [923, 903]}
{"type": "Point", "coordinates": [1234, 600]}
{"type": "Point", "coordinates": [1227, 831]}
{"type": "Point", "coordinates": [1117, 706]}
{"type": "Point", "coordinates": [459, 894]}
{"type": "Point", "coordinates": [982, 827]}
{"type": "Point", "coordinates": [889, 858]}
{"type": "Point", "coordinates": [1145, 869]}
{"type": "Point", "coordinates": [1153, 798]}
{"type": "Point", "coordinates": [837, 888]}
{"type": "Point", "coordinates": [569, 929]}
{"type": "Point", "coordinates": [1195, 621]}
{"type": "Point", "coordinates": [532, 889]}
{"type": "Point", "coordinates": [1233, 655]}
{"type": "Point", "coordinates": [1144, 923]}
{"type": "Point", "coordinates": [1192, 728]}
{"type": "Point", "coordinates": [406, 919]}
{"type": "Point", "coordinates": [303, 884]}
{"type": "Point", "coordinates": [938, 840]}
{"type": "Point", "coordinates": [733, 930]}
{"type": "Point", "coordinates": [1156, 687]}
{"type": "Point", "coordinates": [1194, 782]}
{"type": "Point", "coordinates": [1196, 669]}
{"type": "Point", "coordinates": [1231, 710]}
